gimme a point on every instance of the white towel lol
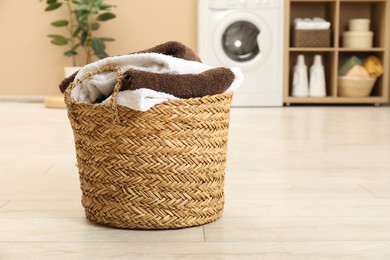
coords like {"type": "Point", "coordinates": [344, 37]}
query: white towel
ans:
{"type": "Point", "coordinates": [141, 99]}
{"type": "Point", "coordinates": [315, 23]}
{"type": "Point", "coordinates": [100, 86]}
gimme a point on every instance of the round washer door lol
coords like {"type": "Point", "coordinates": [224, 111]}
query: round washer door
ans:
{"type": "Point", "coordinates": [242, 39]}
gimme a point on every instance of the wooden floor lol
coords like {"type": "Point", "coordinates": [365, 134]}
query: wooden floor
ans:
{"type": "Point", "coordinates": [301, 183]}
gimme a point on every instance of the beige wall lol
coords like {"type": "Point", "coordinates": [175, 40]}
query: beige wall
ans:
{"type": "Point", "coordinates": [31, 65]}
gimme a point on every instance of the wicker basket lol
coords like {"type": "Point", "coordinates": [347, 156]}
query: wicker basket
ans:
{"type": "Point", "coordinates": [312, 38]}
{"type": "Point", "coordinates": [355, 87]}
{"type": "Point", "coordinates": [159, 169]}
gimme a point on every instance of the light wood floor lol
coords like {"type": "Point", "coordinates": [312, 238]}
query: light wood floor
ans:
{"type": "Point", "coordinates": [301, 183]}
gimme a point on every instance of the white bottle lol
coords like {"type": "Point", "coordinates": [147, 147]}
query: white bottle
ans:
{"type": "Point", "coordinates": [300, 81]}
{"type": "Point", "coordinates": [317, 78]}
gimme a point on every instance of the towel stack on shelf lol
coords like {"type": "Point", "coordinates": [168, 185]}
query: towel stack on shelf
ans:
{"type": "Point", "coordinates": [315, 23]}
{"type": "Point", "coordinates": [311, 32]}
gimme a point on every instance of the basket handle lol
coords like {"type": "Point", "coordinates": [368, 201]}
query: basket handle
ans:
{"type": "Point", "coordinates": [117, 87]}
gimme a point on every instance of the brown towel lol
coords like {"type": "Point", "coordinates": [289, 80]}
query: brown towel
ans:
{"type": "Point", "coordinates": [211, 82]}
{"type": "Point", "coordinates": [174, 49]}
{"type": "Point", "coordinates": [171, 48]}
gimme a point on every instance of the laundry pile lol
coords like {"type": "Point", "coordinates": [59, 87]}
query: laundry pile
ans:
{"type": "Point", "coordinates": [362, 68]}
{"type": "Point", "coordinates": [168, 71]}
{"type": "Point", "coordinates": [315, 23]}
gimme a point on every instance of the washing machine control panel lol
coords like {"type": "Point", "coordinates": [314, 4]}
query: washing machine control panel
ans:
{"type": "Point", "coordinates": [237, 4]}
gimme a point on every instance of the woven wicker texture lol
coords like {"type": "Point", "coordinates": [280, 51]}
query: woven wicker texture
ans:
{"type": "Point", "coordinates": [159, 169]}
{"type": "Point", "coordinates": [312, 38]}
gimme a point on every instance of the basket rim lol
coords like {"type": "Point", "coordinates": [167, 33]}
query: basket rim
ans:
{"type": "Point", "coordinates": [170, 102]}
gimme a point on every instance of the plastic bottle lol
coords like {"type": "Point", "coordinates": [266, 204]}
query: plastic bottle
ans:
{"type": "Point", "coordinates": [300, 81]}
{"type": "Point", "coordinates": [317, 86]}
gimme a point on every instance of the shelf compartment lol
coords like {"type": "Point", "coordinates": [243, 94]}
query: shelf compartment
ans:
{"type": "Point", "coordinates": [378, 90]}
{"type": "Point", "coordinates": [328, 59]}
{"type": "Point", "coordinates": [310, 9]}
{"type": "Point", "coordinates": [375, 11]}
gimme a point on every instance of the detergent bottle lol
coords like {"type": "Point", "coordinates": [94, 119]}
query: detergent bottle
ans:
{"type": "Point", "coordinates": [300, 85]}
{"type": "Point", "coordinates": [317, 87]}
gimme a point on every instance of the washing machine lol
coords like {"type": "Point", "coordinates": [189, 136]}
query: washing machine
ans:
{"type": "Point", "coordinates": [246, 34]}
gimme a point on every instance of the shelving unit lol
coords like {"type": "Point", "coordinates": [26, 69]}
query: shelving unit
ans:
{"type": "Point", "coordinates": [339, 12]}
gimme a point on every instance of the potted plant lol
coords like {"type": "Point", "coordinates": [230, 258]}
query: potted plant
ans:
{"type": "Point", "coordinates": [78, 31]}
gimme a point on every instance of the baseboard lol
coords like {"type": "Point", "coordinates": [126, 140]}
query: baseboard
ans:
{"type": "Point", "coordinates": [22, 99]}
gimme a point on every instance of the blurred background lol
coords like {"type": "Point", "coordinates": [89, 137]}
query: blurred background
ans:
{"type": "Point", "coordinates": [32, 66]}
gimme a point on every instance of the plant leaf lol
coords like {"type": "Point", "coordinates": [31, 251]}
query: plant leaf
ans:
{"type": "Point", "coordinates": [97, 44]}
{"type": "Point", "coordinates": [59, 41]}
{"type": "Point", "coordinates": [83, 38]}
{"type": "Point", "coordinates": [95, 26]}
{"type": "Point", "coordinates": [55, 36]}
{"type": "Point", "coordinates": [95, 2]}
{"type": "Point", "coordinates": [105, 7]}
{"type": "Point", "coordinates": [75, 46]}
{"type": "Point", "coordinates": [82, 7]}
{"type": "Point", "coordinates": [83, 16]}
{"type": "Point", "coordinates": [60, 23]}
{"type": "Point", "coordinates": [70, 53]}
{"type": "Point", "coordinates": [51, 1]}
{"type": "Point", "coordinates": [107, 39]}
{"type": "Point", "coordinates": [94, 10]}
{"type": "Point", "coordinates": [105, 16]}
{"type": "Point", "coordinates": [77, 31]}
{"type": "Point", "coordinates": [102, 55]}
{"type": "Point", "coordinates": [98, 48]}
{"type": "Point", "coordinates": [83, 25]}
{"type": "Point", "coordinates": [53, 6]}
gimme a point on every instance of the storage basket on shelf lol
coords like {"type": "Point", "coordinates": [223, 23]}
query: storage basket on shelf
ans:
{"type": "Point", "coordinates": [159, 169]}
{"type": "Point", "coordinates": [355, 87]}
{"type": "Point", "coordinates": [311, 38]}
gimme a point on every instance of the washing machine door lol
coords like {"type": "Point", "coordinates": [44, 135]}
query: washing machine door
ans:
{"type": "Point", "coordinates": [242, 39]}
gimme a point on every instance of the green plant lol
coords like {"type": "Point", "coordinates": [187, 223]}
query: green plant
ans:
{"type": "Point", "coordinates": [84, 17]}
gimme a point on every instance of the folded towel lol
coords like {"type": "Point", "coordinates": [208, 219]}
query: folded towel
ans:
{"type": "Point", "coordinates": [316, 23]}
{"type": "Point", "coordinates": [171, 48]}
{"type": "Point", "coordinates": [346, 66]}
{"type": "Point", "coordinates": [209, 82]}
{"type": "Point", "coordinates": [143, 99]}
{"type": "Point", "coordinates": [357, 71]}
{"type": "Point", "coordinates": [174, 49]}
{"type": "Point", "coordinates": [148, 72]}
